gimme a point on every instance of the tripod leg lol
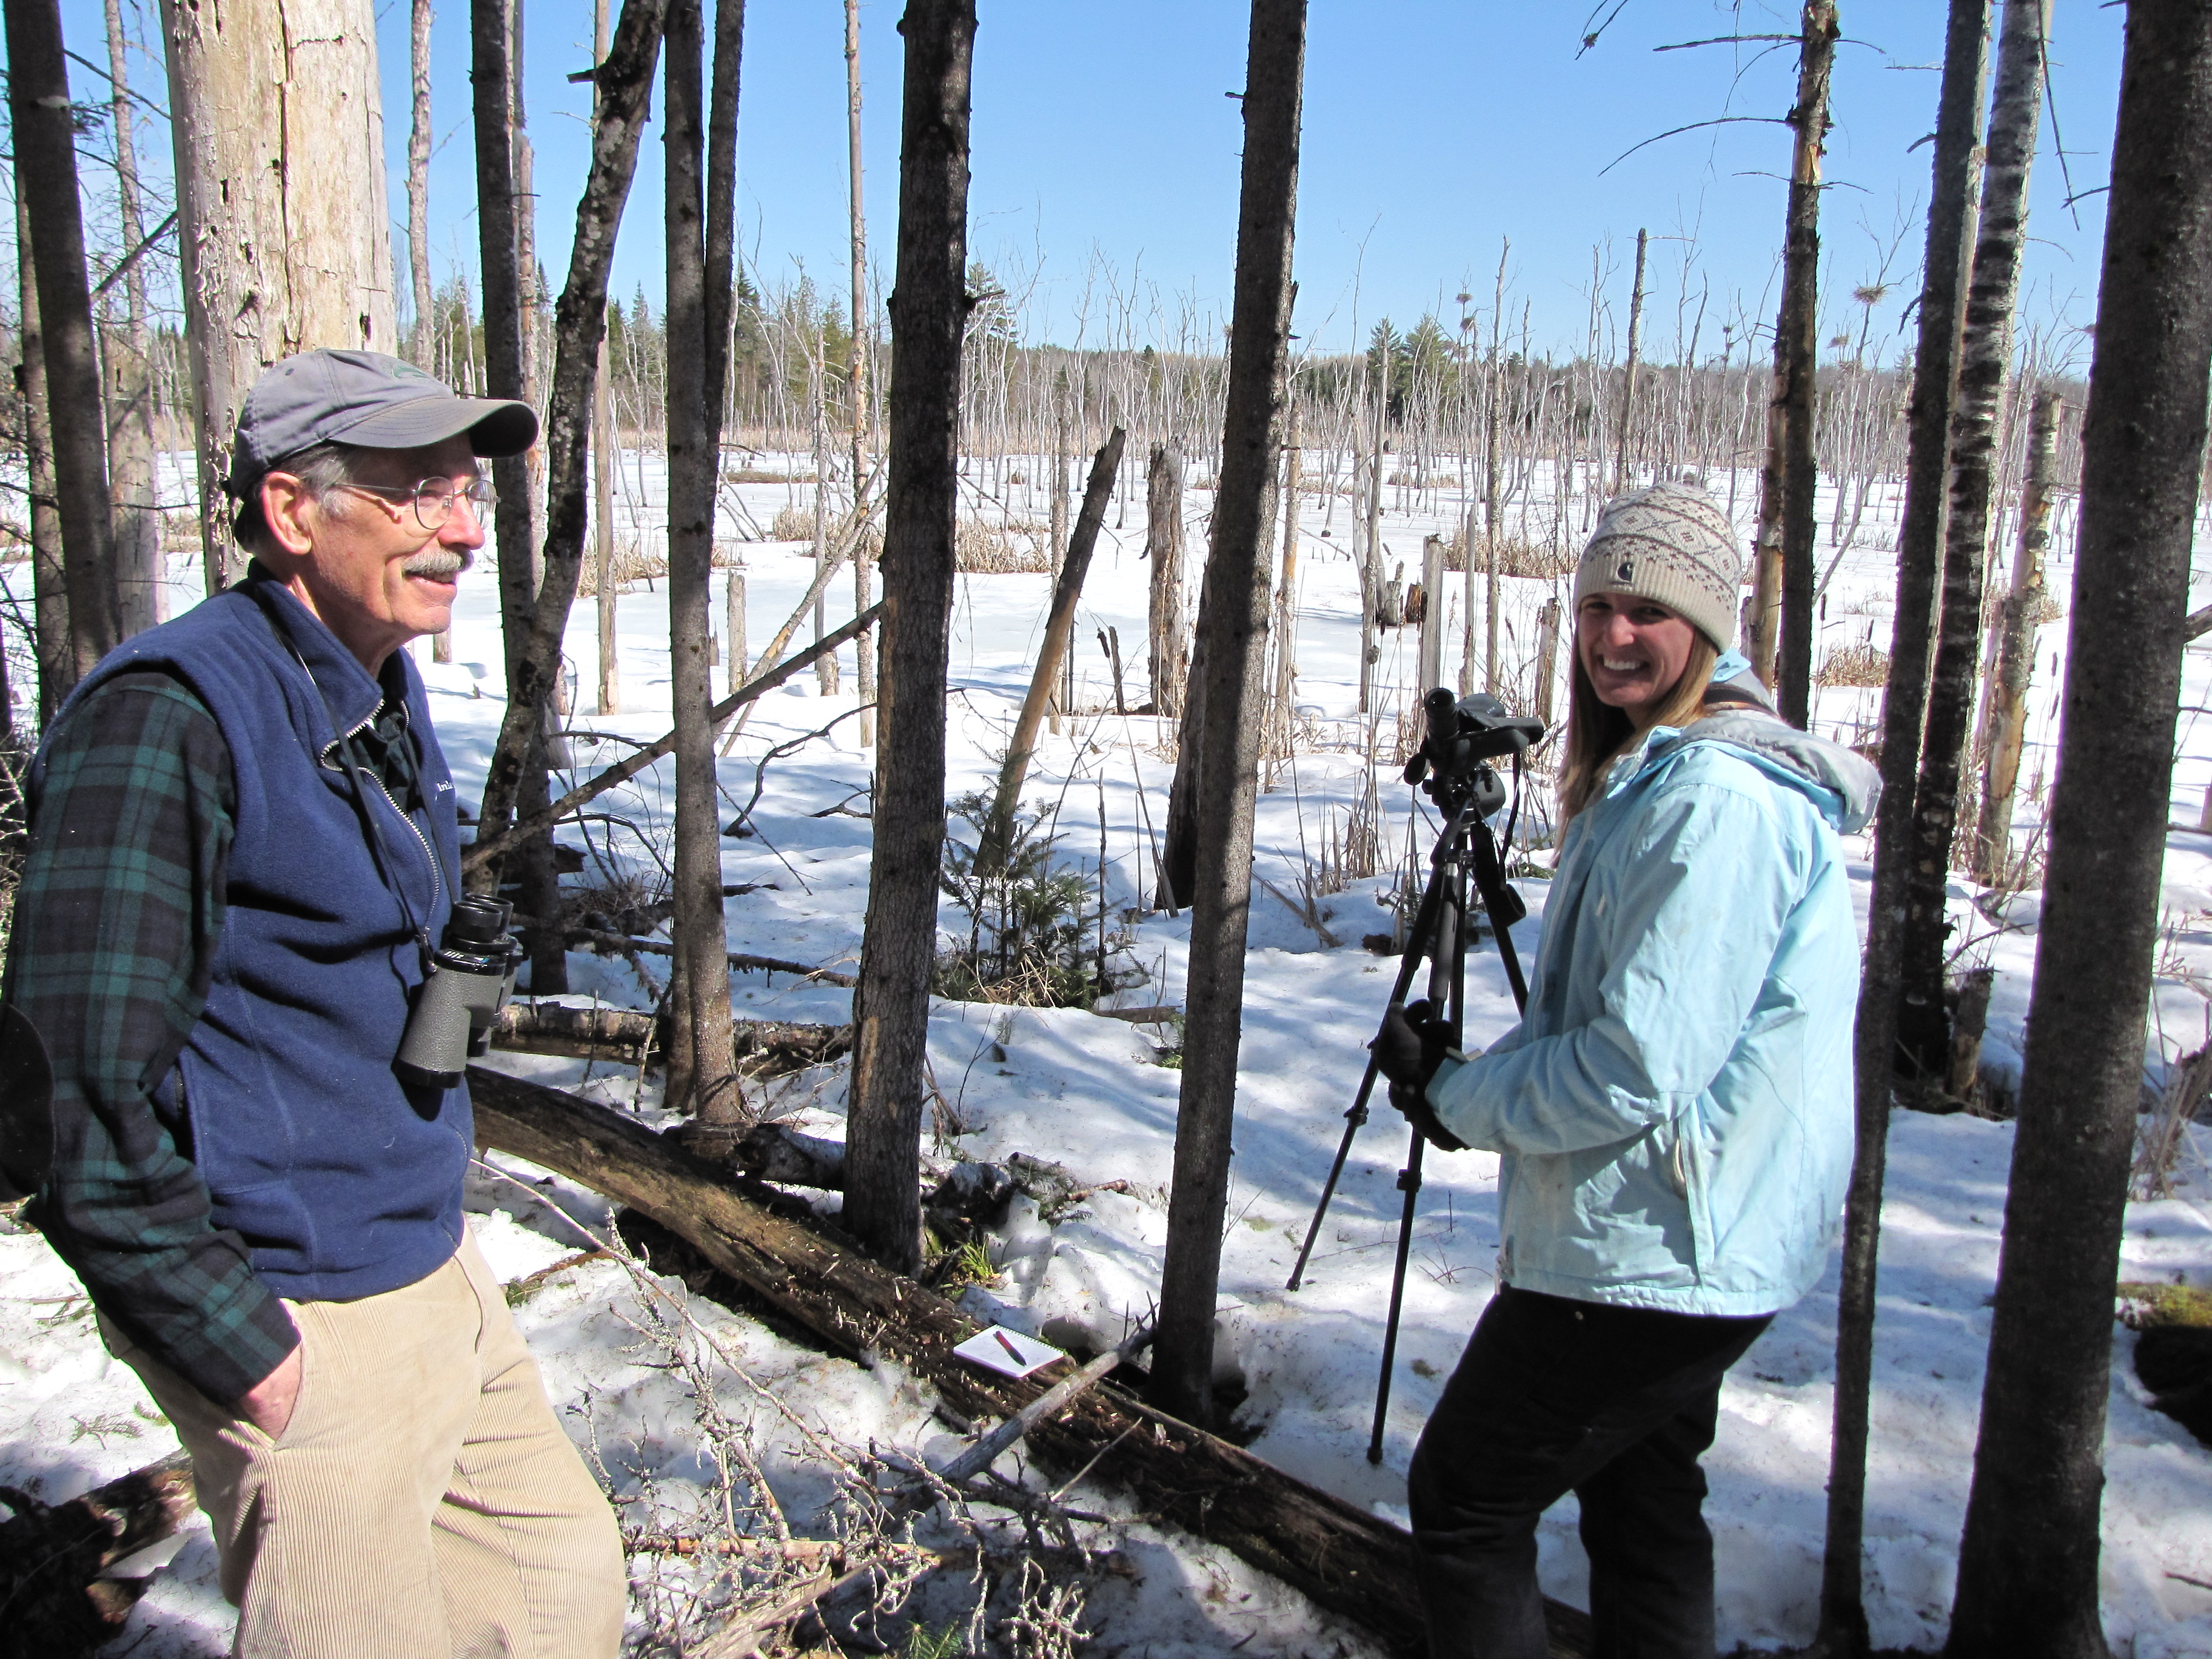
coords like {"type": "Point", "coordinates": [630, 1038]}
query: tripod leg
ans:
{"type": "Point", "coordinates": [1409, 1183]}
{"type": "Point", "coordinates": [1442, 892]}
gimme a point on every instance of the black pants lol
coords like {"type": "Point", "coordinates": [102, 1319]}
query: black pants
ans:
{"type": "Point", "coordinates": [1612, 1404]}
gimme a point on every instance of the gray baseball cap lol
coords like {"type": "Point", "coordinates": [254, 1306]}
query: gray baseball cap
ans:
{"type": "Point", "coordinates": [366, 399]}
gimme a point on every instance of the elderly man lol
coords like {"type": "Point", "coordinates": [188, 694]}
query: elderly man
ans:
{"type": "Point", "coordinates": [243, 847]}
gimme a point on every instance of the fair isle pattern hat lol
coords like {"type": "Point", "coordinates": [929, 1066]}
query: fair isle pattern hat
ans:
{"type": "Point", "coordinates": [366, 399]}
{"type": "Point", "coordinates": [1672, 545]}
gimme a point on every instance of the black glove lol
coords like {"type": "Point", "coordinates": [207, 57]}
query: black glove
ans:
{"type": "Point", "coordinates": [1409, 1050]}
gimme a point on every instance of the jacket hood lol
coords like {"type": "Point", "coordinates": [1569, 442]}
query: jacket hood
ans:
{"type": "Point", "coordinates": [1843, 786]}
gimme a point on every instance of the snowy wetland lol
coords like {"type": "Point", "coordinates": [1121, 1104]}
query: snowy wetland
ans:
{"type": "Point", "coordinates": [1077, 1259]}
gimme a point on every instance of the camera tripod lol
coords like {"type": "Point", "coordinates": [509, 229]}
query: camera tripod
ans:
{"type": "Point", "coordinates": [1470, 794]}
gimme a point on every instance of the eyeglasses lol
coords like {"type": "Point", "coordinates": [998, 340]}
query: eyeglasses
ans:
{"type": "Point", "coordinates": [433, 498]}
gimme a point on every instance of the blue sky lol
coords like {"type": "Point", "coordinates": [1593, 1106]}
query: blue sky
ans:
{"type": "Point", "coordinates": [1105, 156]}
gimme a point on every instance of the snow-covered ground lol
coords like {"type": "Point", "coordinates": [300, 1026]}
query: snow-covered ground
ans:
{"type": "Point", "coordinates": [1088, 1093]}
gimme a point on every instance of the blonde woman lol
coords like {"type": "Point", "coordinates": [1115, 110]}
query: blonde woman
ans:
{"type": "Point", "coordinates": [1673, 1110]}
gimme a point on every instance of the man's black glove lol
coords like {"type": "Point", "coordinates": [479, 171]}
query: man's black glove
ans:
{"type": "Point", "coordinates": [1407, 1050]}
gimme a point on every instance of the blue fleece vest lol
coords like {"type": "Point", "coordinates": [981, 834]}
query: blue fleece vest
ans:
{"type": "Point", "coordinates": [342, 1181]}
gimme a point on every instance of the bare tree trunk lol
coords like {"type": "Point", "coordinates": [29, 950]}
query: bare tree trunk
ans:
{"type": "Point", "coordinates": [1492, 593]}
{"type": "Point", "coordinates": [1766, 545]}
{"type": "Point", "coordinates": [2015, 664]}
{"type": "Point", "coordinates": [702, 1073]}
{"type": "Point", "coordinates": [1628, 381]}
{"type": "Point", "coordinates": [1281, 725]}
{"type": "Point", "coordinates": [492, 27]}
{"type": "Point", "coordinates": [997, 835]}
{"type": "Point", "coordinates": [46, 151]}
{"type": "Point", "coordinates": [1985, 357]}
{"type": "Point", "coordinates": [2028, 1559]}
{"type": "Point", "coordinates": [864, 564]}
{"type": "Point", "coordinates": [418, 177]}
{"type": "Point", "coordinates": [418, 222]}
{"type": "Point", "coordinates": [48, 589]}
{"type": "Point", "coordinates": [135, 517]}
{"type": "Point", "coordinates": [1430, 652]}
{"type": "Point", "coordinates": [1943, 303]}
{"type": "Point", "coordinates": [279, 128]}
{"type": "Point", "coordinates": [1548, 657]}
{"type": "Point", "coordinates": [929, 308]}
{"type": "Point", "coordinates": [625, 82]}
{"type": "Point", "coordinates": [605, 589]}
{"type": "Point", "coordinates": [1233, 623]}
{"type": "Point", "coordinates": [1371, 577]}
{"type": "Point", "coordinates": [733, 625]}
{"type": "Point", "coordinates": [1797, 352]}
{"type": "Point", "coordinates": [1170, 664]}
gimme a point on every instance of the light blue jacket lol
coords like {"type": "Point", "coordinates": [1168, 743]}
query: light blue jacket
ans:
{"type": "Point", "coordinates": [1675, 1107]}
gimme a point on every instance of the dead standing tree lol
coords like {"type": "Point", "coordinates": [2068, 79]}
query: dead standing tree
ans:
{"type": "Point", "coordinates": [929, 308]}
{"type": "Point", "coordinates": [624, 82]}
{"type": "Point", "coordinates": [1796, 354]}
{"type": "Point", "coordinates": [1170, 654]}
{"type": "Point", "coordinates": [864, 564]}
{"type": "Point", "coordinates": [701, 1064]}
{"type": "Point", "coordinates": [1943, 302]}
{"type": "Point", "coordinates": [125, 354]}
{"type": "Point", "coordinates": [2015, 663]}
{"type": "Point", "coordinates": [281, 229]}
{"type": "Point", "coordinates": [1923, 1026]}
{"type": "Point", "coordinates": [2028, 1560]}
{"type": "Point", "coordinates": [492, 75]}
{"type": "Point", "coordinates": [46, 153]}
{"type": "Point", "coordinates": [49, 590]}
{"type": "Point", "coordinates": [1232, 625]}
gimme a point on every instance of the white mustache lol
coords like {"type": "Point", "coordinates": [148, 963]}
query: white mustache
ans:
{"type": "Point", "coordinates": [439, 564]}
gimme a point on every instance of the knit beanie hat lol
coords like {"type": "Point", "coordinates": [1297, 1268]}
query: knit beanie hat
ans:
{"type": "Point", "coordinates": [1672, 545]}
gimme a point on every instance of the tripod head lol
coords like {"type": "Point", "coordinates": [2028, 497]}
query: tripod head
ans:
{"type": "Point", "coordinates": [1464, 735]}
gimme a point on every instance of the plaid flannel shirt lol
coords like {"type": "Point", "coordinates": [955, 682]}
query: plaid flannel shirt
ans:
{"type": "Point", "coordinates": [117, 921]}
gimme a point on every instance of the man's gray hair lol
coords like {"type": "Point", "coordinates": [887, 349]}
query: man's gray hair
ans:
{"type": "Point", "coordinates": [321, 467]}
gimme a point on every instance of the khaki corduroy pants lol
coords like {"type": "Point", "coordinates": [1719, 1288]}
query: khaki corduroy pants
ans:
{"type": "Point", "coordinates": [421, 1503]}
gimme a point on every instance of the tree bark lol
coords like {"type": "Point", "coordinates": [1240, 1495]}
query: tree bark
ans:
{"type": "Point", "coordinates": [1984, 357]}
{"type": "Point", "coordinates": [1796, 353]}
{"type": "Point", "coordinates": [1337, 1553]}
{"type": "Point", "coordinates": [49, 590]}
{"type": "Point", "coordinates": [2015, 664]}
{"type": "Point", "coordinates": [1169, 658]}
{"type": "Point", "coordinates": [1942, 301]}
{"type": "Point", "coordinates": [998, 832]}
{"type": "Point", "coordinates": [1233, 622]}
{"type": "Point", "coordinates": [128, 361]}
{"type": "Point", "coordinates": [700, 179]}
{"type": "Point", "coordinates": [45, 153]}
{"type": "Point", "coordinates": [1281, 724]}
{"type": "Point", "coordinates": [53, 1559]}
{"type": "Point", "coordinates": [625, 84]}
{"type": "Point", "coordinates": [279, 129]}
{"type": "Point", "coordinates": [929, 308]}
{"type": "Point", "coordinates": [2028, 1559]}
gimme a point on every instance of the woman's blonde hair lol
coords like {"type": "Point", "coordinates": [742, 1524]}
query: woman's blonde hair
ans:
{"type": "Point", "coordinates": [1597, 731]}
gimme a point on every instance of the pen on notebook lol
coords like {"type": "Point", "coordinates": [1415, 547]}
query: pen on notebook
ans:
{"type": "Point", "coordinates": [1010, 1347]}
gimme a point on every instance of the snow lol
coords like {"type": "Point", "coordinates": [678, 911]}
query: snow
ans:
{"type": "Point", "coordinates": [1069, 1087]}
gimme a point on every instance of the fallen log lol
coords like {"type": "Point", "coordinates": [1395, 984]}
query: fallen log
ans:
{"type": "Point", "coordinates": [739, 960]}
{"type": "Point", "coordinates": [764, 1047]}
{"type": "Point", "coordinates": [1346, 1559]}
{"type": "Point", "coordinates": [51, 1557]}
